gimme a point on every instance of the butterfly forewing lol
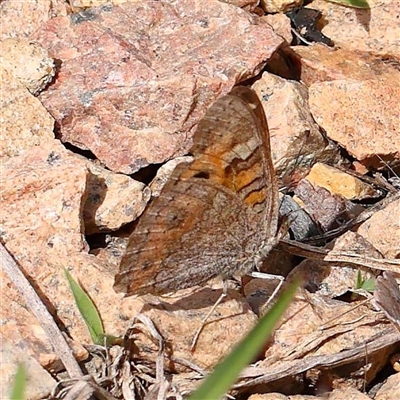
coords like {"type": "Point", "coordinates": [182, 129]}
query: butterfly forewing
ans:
{"type": "Point", "coordinates": [213, 213]}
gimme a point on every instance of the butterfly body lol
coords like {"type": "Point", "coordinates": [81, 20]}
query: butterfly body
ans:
{"type": "Point", "coordinates": [216, 215]}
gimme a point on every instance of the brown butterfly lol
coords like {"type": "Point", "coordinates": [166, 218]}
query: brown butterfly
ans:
{"type": "Point", "coordinates": [217, 215]}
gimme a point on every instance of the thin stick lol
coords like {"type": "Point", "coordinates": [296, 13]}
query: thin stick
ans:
{"type": "Point", "coordinates": [300, 37]}
{"type": "Point", "coordinates": [36, 306]}
{"type": "Point", "coordinates": [338, 257]}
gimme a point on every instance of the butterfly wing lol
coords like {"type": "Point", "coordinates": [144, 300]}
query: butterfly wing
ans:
{"type": "Point", "coordinates": [214, 213]}
{"type": "Point", "coordinates": [387, 297]}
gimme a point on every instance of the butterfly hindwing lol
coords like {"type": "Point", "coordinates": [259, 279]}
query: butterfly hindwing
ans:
{"type": "Point", "coordinates": [214, 212]}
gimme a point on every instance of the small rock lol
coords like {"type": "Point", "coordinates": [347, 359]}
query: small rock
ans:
{"type": "Point", "coordinates": [375, 130]}
{"type": "Point", "coordinates": [375, 30]}
{"type": "Point", "coordinates": [301, 224]}
{"type": "Point", "coordinates": [113, 200]}
{"type": "Point", "coordinates": [328, 210]}
{"type": "Point", "coordinates": [383, 230]}
{"type": "Point", "coordinates": [320, 64]}
{"type": "Point", "coordinates": [352, 96]}
{"type": "Point", "coordinates": [296, 141]}
{"type": "Point", "coordinates": [330, 280]}
{"type": "Point", "coordinates": [80, 5]}
{"type": "Point", "coordinates": [281, 24]}
{"type": "Point", "coordinates": [28, 62]}
{"type": "Point", "coordinates": [347, 393]}
{"type": "Point", "coordinates": [39, 382]}
{"type": "Point", "coordinates": [19, 19]}
{"type": "Point", "coordinates": [389, 388]}
{"type": "Point", "coordinates": [25, 122]}
{"type": "Point", "coordinates": [360, 168]}
{"type": "Point", "coordinates": [258, 293]}
{"type": "Point", "coordinates": [279, 6]}
{"type": "Point", "coordinates": [339, 182]}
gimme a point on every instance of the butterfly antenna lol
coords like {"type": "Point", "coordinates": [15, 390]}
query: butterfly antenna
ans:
{"type": "Point", "coordinates": [388, 166]}
{"type": "Point", "coordinates": [286, 219]}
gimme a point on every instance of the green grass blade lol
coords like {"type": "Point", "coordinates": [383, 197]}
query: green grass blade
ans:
{"type": "Point", "coordinates": [225, 374]}
{"type": "Point", "coordinates": [359, 280]}
{"type": "Point", "coordinates": [19, 384]}
{"type": "Point", "coordinates": [352, 3]}
{"type": "Point", "coordinates": [87, 309]}
{"type": "Point", "coordinates": [369, 285]}
{"type": "Point", "coordinates": [365, 284]}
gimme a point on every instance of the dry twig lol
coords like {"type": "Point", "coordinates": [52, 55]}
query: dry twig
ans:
{"type": "Point", "coordinates": [36, 306]}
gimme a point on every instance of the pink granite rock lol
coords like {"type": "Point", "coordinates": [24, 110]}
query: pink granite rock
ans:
{"type": "Point", "coordinates": [375, 30]}
{"type": "Point", "coordinates": [361, 115]}
{"type": "Point", "coordinates": [39, 381]}
{"type": "Point", "coordinates": [296, 141]}
{"type": "Point", "coordinates": [24, 121]}
{"type": "Point", "coordinates": [353, 96]}
{"type": "Point", "coordinates": [44, 194]}
{"type": "Point", "coordinates": [326, 209]}
{"type": "Point", "coordinates": [279, 6]}
{"type": "Point", "coordinates": [78, 5]}
{"type": "Point", "coordinates": [391, 386]}
{"type": "Point", "coordinates": [21, 18]}
{"type": "Point", "coordinates": [383, 230]}
{"type": "Point", "coordinates": [113, 200]}
{"type": "Point", "coordinates": [320, 63]}
{"type": "Point", "coordinates": [341, 183]}
{"type": "Point", "coordinates": [281, 25]}
{"type": "Point", "coordinates": [41, 202]}
{"type": "Point", "coordinates": [28, 62]}
{"type": "Point", "coordinates": [135, 79]}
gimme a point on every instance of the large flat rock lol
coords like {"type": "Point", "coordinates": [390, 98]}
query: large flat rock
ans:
{"type": "Point", "coordinates": [135, 79]}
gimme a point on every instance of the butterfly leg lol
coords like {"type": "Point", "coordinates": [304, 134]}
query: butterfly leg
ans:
{"type": "Point", "coordinates": [204, 320]}
{"type": "Point", "coordinates": [260, 275]}
{"type": "Point", "coordinates": [263, 275]}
